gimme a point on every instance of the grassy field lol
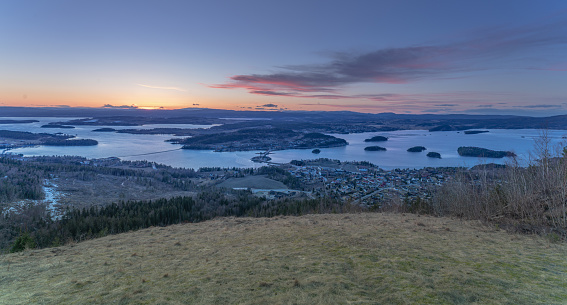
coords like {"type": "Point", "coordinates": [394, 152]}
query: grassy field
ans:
{"type": "Point", "coordinates": [257, 182]}
{"type": "Point", "coordinates": [315, 259]}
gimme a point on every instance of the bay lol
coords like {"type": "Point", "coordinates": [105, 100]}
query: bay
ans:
{"type": "Point", "coordinates": [154, 148]}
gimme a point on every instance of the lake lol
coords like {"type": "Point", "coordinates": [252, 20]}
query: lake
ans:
{"type": "Point", "coordinates": [153, 148]}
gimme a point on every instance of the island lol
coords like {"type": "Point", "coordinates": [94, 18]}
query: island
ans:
{"type": "Point", "coordinates": [475, 131]}
{"type": "Point", "coordinates": [375, 148]}
{"type": "Point", "coordinates": [106, 129]}
{"type": "Point", "coordinates": [377, 139]}
{"type": "Point", "coordinates": [259, 139]}
{"type": "Point", "coordinates": [416, 149]}
{"type": "Point", "coordinates": [469, 151]}
{"type": "Point", "coordinates": [433, 154]}
{"type": "Point", "coordinates": [57, 126]}
{"type": "Point", "coordinates": [261, 159]}
{"type": "Point", "coordinates": [316, 151]}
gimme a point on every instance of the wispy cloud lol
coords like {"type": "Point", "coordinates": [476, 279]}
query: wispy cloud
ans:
{"type": "Point", "coordinates": [163, 88]}
{"type": "Point", "coordinates": [487, 49]}
{"type": "Point", "coordinates": [120, 107]}
{"type": "Point", "coordinates": [351, 106]}
{"type": "Point", "coordinates": [540, 106]}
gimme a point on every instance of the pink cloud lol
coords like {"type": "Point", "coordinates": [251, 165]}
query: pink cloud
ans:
{"type": "Point", "coordinates": [485, 50]}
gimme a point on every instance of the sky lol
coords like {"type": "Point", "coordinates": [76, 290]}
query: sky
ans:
{"type": "Point", "coordinates": [434, 56]}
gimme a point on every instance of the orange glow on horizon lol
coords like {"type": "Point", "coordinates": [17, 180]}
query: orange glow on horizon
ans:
{"type": "Point", "coordinates": [238, 102]}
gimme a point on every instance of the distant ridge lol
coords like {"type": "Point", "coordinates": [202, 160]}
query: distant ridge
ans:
{"type": "Point", "coordinates": [404, 121]}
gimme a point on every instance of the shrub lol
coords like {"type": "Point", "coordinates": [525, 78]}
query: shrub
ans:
{"type": "Point", "coordinates": [24, 241]}
{"type": "Point", "coordinates": [530, 199]}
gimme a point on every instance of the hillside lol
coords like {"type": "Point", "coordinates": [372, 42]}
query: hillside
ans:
{"type": "Point", "coordinates": [339, 258]}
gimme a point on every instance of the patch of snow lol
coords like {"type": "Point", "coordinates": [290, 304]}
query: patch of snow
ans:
{"type": "Point", "coordinates": [51, 197]}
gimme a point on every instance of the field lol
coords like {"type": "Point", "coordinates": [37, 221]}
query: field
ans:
{"type": "Point", "coordinates": [369, 258]}
{"type": "Point", "coordinates": [257, 182]}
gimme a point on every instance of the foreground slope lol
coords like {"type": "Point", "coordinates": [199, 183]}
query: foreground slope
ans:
{"type": "Point", "coordinates": [339, 258]}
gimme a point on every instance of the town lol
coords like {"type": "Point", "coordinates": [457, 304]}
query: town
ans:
{"type": "Point", "coordinates": [365, 184]}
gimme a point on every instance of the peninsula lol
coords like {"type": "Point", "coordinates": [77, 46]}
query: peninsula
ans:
{"type": "Point", "coordinates": [13, 139]}
{"type": "Point", "coordinates": [18, 121]}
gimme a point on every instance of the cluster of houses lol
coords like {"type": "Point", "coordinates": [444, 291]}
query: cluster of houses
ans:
{"type": "Point", "coordinates": [368, 185]}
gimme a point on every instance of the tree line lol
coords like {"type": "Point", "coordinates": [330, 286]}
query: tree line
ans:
{"type": "Point", "coordinates": [123, 216]}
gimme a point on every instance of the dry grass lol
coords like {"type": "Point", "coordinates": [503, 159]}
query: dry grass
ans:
{"type": "Point", "coordinates": [324, 259]}
{"type": "Point", "coordinates": [257, 182]}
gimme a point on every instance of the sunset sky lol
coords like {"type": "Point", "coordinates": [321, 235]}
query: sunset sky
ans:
{"type": "Point", "coordinates": [474, 57]}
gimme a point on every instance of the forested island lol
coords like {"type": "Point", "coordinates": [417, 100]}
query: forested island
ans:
{"type": "Point", "coordinates": [469, 151]}
{"type": "Point", "coordinates": [261, 159]}
{"type": "Point", "coordinates": [416, 149]}
{"type": "Point", "coordinates": [57, 126]}
{"type": "Point", "coordinates": [376, 139]}
{"type": "Point", "coordinates": [260, 139]}
{"type": "Point", "coordinates": [433, 154]}
{"type": "Point", "coordinates": [375, 148]}
{"type": "Point", "coordinates": [475, 131]}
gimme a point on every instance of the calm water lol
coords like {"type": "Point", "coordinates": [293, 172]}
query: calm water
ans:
{"type": "Point", "coordinates": [153, 147]}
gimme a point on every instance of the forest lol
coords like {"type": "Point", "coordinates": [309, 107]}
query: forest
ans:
{"type": "Point", "coordinates": [81, 224]}
{"type": "Point", "coordinates": [23, 181]}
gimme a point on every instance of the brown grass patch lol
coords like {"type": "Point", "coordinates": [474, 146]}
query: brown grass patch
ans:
{"type": "Point", "coordinates": [314, 259]}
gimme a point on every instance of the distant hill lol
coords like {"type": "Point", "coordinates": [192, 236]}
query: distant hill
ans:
{"type": "Point", "coordinates": [369, 121]}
